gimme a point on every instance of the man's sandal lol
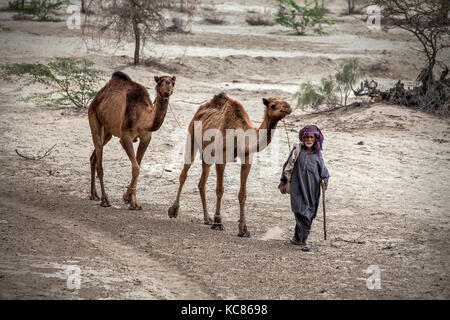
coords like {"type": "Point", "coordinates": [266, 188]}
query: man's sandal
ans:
{"type": "Point", "coordinates": [305, 247]}
{"type": "Point", "coordinates": [295, 242]}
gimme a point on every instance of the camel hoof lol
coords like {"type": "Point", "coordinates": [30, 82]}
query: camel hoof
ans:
{"type": "Point", "coordinates": [218, 227]}
{"type": "Point", "coordinates": [105, 204]}
{"type": "Point", "coordinates": [208, 221]}
{"type": "Point", "coordinates": [126, 198]}
{"type": "Point", "coordinates": [173, 211]}
{"type": "Point", "coordinates": [245, 235]}
{"type": "Point", "coordinates": [95, 198]}
{"type": "Point", "coordinates": [134, 207]}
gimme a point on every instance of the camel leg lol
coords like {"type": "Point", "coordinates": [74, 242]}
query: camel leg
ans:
{"type": "Point", "coordinates": [143, 144]}
{"type": "Point", "coordinates": [202, 188]}
{"type": "Point", "coordinates": [142, 147]}
{"type": "Point", "coordinates": [99, 162]}
{"type": "Point", "coordinates": [127, 145]}
{"type": "Point", "coordinates": [99, 138]}
{"type": "Point", "coordinates": [242, 196]}
{"type": "Point", "coordinates": [93, 161]}
{"type": "Point", "coordinates": [220, 169]}
{"type": "Point", "coordinates": [174, 209]}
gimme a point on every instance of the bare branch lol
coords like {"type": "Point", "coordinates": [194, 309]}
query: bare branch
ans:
{"type": "Point", "coordinates": [38, 157]}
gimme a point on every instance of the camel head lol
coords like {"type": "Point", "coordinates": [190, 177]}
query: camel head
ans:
{"type": "Point", "coordinates": [276, 108]}
{"type": "Point", "coordinates": [164, 85]}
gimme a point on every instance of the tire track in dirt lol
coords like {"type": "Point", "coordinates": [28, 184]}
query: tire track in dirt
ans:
{"type": "Point", "coordinates": [161, 281]}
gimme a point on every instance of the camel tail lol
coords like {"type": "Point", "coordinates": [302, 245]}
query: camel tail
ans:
{"type": "Point", "coordinates": [121, 75]}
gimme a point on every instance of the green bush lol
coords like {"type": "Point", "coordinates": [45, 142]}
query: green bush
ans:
{"type": "Point", "coordinates": [332, 91]}
{"type": "Point", "coordinates": [74, 81]}
{"type": "Point", "coordinates": [347, 77]}
{"type": "Point", "coordinates": [42, 10]}
{"type": "Point", "coordinates": [308, 96]}
{"type": "Point", "coordinates": [300, 18]}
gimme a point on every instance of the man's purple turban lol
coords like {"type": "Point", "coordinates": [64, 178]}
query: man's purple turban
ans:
{"type": "Point", "coordinates": [312, 129]}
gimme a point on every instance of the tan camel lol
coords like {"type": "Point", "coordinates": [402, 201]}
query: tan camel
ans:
{"type": "Point", "coordinates": [222, 113]}
{"type": "Point", "coordinates": [123, 109]}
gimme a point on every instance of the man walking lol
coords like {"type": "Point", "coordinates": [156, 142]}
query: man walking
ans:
{"type": "Point", "coordinates": [301, 177]}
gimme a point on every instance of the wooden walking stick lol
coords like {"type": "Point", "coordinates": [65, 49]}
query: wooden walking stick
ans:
{"type": "Point", "coordinates": [287, 135]}
{"type": "Point", "coordinates": [324, 215]}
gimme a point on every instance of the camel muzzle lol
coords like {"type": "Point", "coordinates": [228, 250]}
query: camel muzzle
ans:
{"type": "Point", "coordinates": [286, 112]}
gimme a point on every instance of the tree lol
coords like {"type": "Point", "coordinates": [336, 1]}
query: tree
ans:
{"type": "Point", "coordinates": [428, 21]}
{"type": "Point", "coordinates": [351, 6]}
{"type": "Point", "coordinates": [333, 91]}
{"type": "Point", "coordinates": [301, 17]}
{"type": "Point", "coordinates": [41, 10]}
{"type": "Point", "coordinates": [130, 19]}
{"type": "Point", "coordinates": [346, 78]}
{"type": "Point", "coordinates": [75, 81]}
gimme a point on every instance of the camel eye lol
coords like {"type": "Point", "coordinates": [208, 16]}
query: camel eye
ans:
{"type": "Point", "coordinates": [272, 107]}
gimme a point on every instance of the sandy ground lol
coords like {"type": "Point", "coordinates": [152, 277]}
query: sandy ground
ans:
{"type": "Point", "coordinates": [388, 201]}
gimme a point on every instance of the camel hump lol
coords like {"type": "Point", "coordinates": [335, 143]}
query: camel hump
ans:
{"type": "Point", "coordinates": [220, 96]}
{"type": "Point", "coordinates": [121, 75]}
{"type": "Point", "coordinates": [219, 99]}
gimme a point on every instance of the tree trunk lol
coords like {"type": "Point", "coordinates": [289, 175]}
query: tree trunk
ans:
{"type": "Point", "coordinates": [182, 5]}
{"type": "Point", "coordinates": [444, 10]}
{"type": "Point", "coordinates": [136, 31]}
{"type": "Point", "coordinates": [83, 6]}
{"type": "Point", "coordinates": [137, 40]}
{"type": "Point", "coordinates": [351, 6]}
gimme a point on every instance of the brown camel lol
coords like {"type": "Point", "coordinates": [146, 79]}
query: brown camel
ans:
{"type": "Point", "coordinates": [222, 113]}
{"type": "Point", "coordinates": [123, 109]}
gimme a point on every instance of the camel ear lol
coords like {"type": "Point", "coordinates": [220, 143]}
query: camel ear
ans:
{"type": "Point", "coordinates": [174, 78]}
{"type": "Point", "coordinates": [156, 79]}
{"type": "Point", "coordinates": [266, 102]}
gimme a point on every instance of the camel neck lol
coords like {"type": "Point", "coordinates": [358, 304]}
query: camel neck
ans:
{"type": "Point", "coordinates": [265, 132]}
{"type": "Point", "coordinates": [159, 112]}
